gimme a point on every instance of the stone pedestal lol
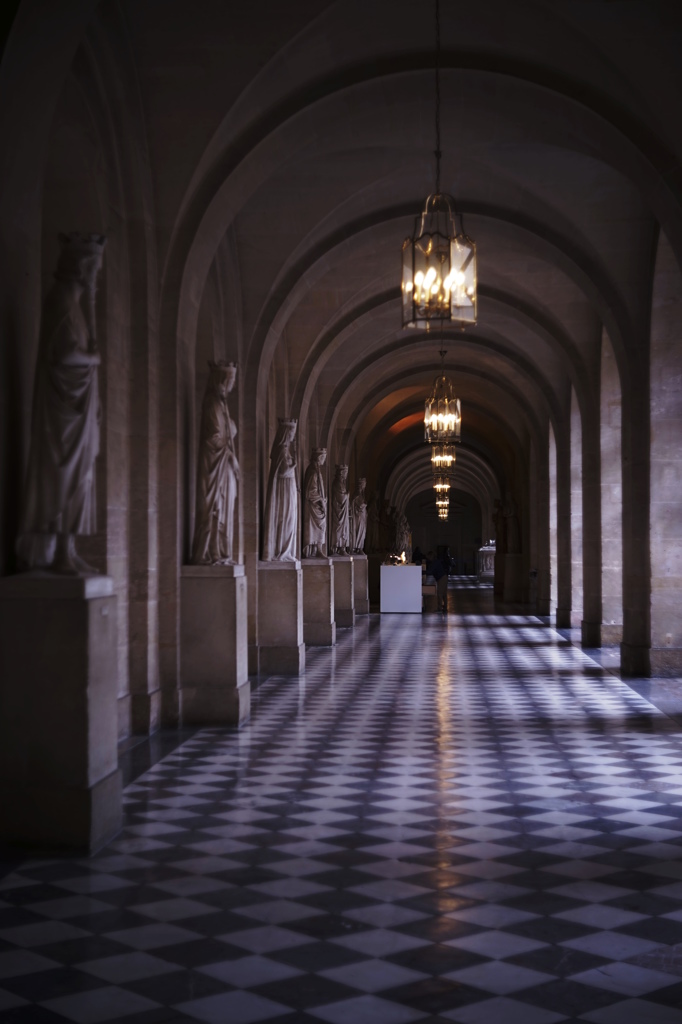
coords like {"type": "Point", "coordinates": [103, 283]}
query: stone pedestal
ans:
{"type": "Point", "coordinates": [513, 579]}
{"type": "Point", "coordinates": [486, 564]}
{"type": "Point", "coordinates": [361, 584]}
{"type": "Point", "coordinates": [635, 660]}
{"type": "Point", "coordinates": [281, 650]}
{"type": "Point", "coordinates": [214, 687]}
{"type": "Point", "coordinates": [319, 627]}
{"type": "Point", "coordinates": [344, 591]}
{"type": "Point", "coordinates": [59, 780]}
{"type": "Point", "coordinates": [590, 634]}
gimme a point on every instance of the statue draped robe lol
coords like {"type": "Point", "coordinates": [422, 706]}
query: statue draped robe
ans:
{"type": "Point", "coordinates": [216, 484]}
{"type": "Point", "coordinates": [340, 518]}
{"type": "Point", "coordinates": [65, 436]}
{"type": "Point", "coordinates": [315, 505]}
{"type": "Point", "coordinates": [281, 506]}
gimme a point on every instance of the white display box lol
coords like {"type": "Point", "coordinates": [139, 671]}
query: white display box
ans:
{"type": "Point", "coordinates": [401, 588]}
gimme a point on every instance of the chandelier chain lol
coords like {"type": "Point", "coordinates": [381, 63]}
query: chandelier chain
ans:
{"type": "Point", "coordinates": [437, 150]}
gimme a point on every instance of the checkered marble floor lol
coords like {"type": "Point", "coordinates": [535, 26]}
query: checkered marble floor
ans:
{"type": "Point", "coordinates": [458, 818]}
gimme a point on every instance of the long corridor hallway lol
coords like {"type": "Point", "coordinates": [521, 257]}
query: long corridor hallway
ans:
{"type": "Point", "coordinates": [458, 818]}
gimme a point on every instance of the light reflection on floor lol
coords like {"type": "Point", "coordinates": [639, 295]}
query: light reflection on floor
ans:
{"type": "Point", "coordinates": [456, 817]}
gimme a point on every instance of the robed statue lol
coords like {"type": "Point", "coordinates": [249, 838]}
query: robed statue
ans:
{"type": "Point", "coordinates": [339, 533]}
{"type": "Point", "coordinates": [358, 517]}
{"type": "Point", "coordinates": [280, 525]}
{"type": "Point", "coordinates": [217, 471]}
{"type": "Point", "coordinates": [315, 506]}
{"type": "Point", "coordinates": [59, 497]}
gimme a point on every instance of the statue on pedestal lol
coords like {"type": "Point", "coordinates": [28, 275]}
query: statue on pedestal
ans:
{"type": "Point", "coordinates": [281, 505]}
{"type": "Point", "coordinates": [358, 517]}
{"type": "Point", "coordinates": [217, 471]}
{"type": "Point", "coordinates": [59, 498]}
{"type": "Point", "coordinates": [403, 537]}
{"type": "Point", "coordinates": [315, 507]}
{"type": "Point", "coordinates": [340, 513]}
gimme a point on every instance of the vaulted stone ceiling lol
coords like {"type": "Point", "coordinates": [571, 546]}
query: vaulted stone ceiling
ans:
{"type": "Point", "coordinates": [298, 142]}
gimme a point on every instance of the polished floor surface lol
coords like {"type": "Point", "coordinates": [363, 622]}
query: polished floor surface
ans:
{"type": "Point", "coordinates": [453, 818]}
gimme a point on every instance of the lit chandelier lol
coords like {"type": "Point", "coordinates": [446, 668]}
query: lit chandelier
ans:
{"type": "Point", "coordinates": [441, 484]}
{"type": "Point", "coordinates": [439, 261]}
{"type": "Point", "coordinates": [443, 512]}
{"type": "Point", "coordinates": [442, 457]}
{"type": "Point", "coordinates": [442, 411]}
{"type": "Point", "coordinates": [442, 501]}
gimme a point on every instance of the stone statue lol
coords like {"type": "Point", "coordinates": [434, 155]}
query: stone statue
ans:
{"type": "Point", "coordinates": [339, 533]}
{"type": "Point", "coordinates": [358, 517]}
{"type": "Point", "coordinates": [403, 536]}
{"type": "Point", "coordinates": [281, 506]}
{"type": "Point", "coordinates": [59, 498]}
{"type": "Point", "coordinates": [315, 506]}
{"type": "Point", "coordinates": [512, 530]}
{"type": "Point", "coordinates": [373, 539]}
{"type": "Point", "coordinates": [217, 471]}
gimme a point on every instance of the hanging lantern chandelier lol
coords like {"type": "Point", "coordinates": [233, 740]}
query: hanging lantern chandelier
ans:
{"type": "Point", "coordinates": [443, 512]}
{"type": "Point", "coordinates": [441, 484]}
{"type": "Point", "coordinates": [439, 280]}
{"type": "Point", "coordinates": [442, 457]}
{"type": "Point", "coordinates": [442, 501]}
{"type": "Point", "coordinates": [442, 411]}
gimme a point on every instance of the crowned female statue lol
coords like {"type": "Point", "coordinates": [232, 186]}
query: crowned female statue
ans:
{"type": "Point", "coordinates": [59, 498]}
{"type": "Point", "coordinates": [217, 471]}
{"type": "Point", "coordinates": [340, 513]}
{"type": "Point", "coordinates": [358, 517]}
{"type": "Point", "coordinates": [280, 527]}
{"type": "Point", "coordinates": [315, 506]}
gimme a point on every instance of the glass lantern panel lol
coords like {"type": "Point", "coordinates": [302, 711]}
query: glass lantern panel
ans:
{"type": "Point", "coordinates": [462, 283]}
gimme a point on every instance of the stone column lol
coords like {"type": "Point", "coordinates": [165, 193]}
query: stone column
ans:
{"type": "Point", "coordinates": [319, 627]}
{"type": "Point", "coordinates": [59, 778]}
{"type": "Point", "coordinates": [281, 650]}
{"type": "Point", "coordinates": [214, 678]}
{"type": "Point", "coordinates": [344, 591]}
{"type": "Point", "coordinates": [361, 584]}
{"type": "Point", "coordinates": [612, 497]}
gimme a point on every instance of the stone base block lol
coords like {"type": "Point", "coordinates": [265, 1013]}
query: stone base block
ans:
{"type": "Point", "coordinates": [563, 618]}
{"type": "Point", "coordinates": [590, 634]}
{"type": "Point", "coordinates": [344, 591]}
{"type": "Point", "coordinates": [59, 779]}
{"type": "Point", "coordinates": [635, 660]}
{"type": "Point", "coordinates": [214, 686]}
{"type": "Point", "coordinates": [282, 661]}
{"type": "Point", "coordinates": [319, 634]}
{"type": "Point", "coordinates": [280, 618]}
{"type": "Point", "coordinates": [345, 618]}
{"type": "Point", "coordinates": [513, 579]}
{"type": "Point", "coordinates": [319, 627]}
{"type": "Point", "coordinates": [665, 661]}
{"type": "Point", "coordinates": [611, 633]}
{"type": "Point", "coordinates": [54, 816]}
{"type": "Point", "coordinates": [361, 584]}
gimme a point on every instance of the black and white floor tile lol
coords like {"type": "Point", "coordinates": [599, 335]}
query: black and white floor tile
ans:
{"type": "Point", "coordinates": [458, 818]}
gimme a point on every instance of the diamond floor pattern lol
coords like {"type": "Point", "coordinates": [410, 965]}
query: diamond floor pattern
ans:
{"type": "Point", "coordinates": [458, 818]}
